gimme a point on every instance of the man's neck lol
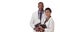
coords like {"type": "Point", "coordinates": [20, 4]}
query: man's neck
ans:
{"type": "Point", "coordinates": [41, 9]}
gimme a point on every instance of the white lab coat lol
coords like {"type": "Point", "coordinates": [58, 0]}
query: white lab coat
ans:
{"type": "Point", "coordinates": [35, 20]}
{"type": "Point", "coordinates": [50, 25]}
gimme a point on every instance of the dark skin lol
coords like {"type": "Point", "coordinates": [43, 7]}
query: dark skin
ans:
{"type": "Point", "coordinates": [40, 7]}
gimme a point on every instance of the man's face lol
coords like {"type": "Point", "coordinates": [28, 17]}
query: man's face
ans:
{"type": "Point", "coordinates": [40, 6]}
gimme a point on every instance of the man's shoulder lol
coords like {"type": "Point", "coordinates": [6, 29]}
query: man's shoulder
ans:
{"type": "Point", "coordinates": [35, 12]}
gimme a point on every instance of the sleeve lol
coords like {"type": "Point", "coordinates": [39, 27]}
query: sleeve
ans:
{"type": "Point", "coordinates": [32, 22]}
{"type": "Point", "coordinates": [50, 27]}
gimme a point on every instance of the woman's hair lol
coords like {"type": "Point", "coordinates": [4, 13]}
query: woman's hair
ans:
{"type": "Point", "coordinates": [48, 9]}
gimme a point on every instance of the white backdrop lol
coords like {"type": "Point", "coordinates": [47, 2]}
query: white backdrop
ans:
{"type": "Point", "coordinates": [15, 15]}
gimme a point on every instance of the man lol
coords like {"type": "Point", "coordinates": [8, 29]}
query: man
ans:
{"type": "Point", "coordinates": [38, 17]}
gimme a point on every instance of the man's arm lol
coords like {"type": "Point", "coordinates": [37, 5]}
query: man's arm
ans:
{"type": "Point", "coordinates": [32, 22]}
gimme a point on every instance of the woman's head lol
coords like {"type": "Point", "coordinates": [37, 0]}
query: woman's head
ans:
{"type": "Point", "coordinates": [48, 12]}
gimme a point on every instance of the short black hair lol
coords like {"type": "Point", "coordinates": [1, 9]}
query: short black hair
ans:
{"type": "Point", "coordinates": [48, 9]}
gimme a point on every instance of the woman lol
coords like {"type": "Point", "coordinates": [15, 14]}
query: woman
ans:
{"type": "Point", "coordinates": [49, 21]}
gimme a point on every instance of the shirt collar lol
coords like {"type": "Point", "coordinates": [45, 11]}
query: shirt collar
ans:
{"type": "Point", "coordinates": [40, 11]}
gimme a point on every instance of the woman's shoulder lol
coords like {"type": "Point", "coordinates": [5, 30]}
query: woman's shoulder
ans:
{"type": "Point", "coordinates": [51, 20]}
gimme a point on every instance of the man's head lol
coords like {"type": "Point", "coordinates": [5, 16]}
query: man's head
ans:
{"type": "Point", "coordinates": [40, 5]}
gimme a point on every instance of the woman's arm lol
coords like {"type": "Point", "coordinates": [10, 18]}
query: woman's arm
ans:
{"type": "Point", "coordinates": [50, 28]}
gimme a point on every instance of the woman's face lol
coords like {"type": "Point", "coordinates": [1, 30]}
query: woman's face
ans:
{"type": "Point", "coordinates": [47, 13]}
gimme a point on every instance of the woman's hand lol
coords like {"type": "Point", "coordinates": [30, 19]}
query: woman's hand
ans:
{"type": "Point", "coordinates": [41, 28]}
{"type": "Point", "coordinates": [36, 28]}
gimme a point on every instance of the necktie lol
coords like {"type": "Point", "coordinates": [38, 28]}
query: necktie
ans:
{"type": "Point", "coordinates": [40, 15]}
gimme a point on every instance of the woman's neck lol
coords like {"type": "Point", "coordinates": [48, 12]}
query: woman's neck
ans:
{"type": "Point", "coordinates": [48, 17]}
